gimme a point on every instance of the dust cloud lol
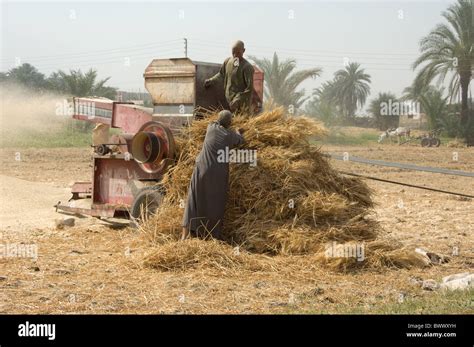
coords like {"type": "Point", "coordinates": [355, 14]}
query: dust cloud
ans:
{"type": "Point", "coordinates": [23, 111]}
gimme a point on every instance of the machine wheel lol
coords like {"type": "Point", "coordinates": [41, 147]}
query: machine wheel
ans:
{"type": "Point", "coordinates": [425, 142]}
{"type": "Point", "coordinates": [146, 203]}
{"type": "Point", "coordinates": [435, 142]}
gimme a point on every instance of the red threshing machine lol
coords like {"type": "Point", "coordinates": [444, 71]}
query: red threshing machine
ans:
{"type": "Point", "coordinates": [127, 166]}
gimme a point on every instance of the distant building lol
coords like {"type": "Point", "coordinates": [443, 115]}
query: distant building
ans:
{"type": "Point", "coordinates": [414, 121]}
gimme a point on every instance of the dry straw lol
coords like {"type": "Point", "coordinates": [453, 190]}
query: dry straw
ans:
{"type": "Point", "coordinates": [197, 254]}
{"type": "Point", "coordinates": [291, 202]}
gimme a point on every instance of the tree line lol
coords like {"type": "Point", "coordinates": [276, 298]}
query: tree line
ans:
{"type": "Point", "coordinates": [446, 52]}
{"type": "Point", "coordinates": [74, 82]}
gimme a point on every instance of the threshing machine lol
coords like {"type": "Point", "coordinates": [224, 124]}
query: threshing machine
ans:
{"type": "Point", "coordinates": [128, 163]}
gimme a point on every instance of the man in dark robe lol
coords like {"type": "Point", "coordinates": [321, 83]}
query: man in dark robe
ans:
{"type": "Point", "coordinates": [207, 193]}
{"type": "Point", "coordinates": [237, 75]}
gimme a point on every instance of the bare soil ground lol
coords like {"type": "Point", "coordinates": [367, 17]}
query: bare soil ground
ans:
{"type": "Point", "coordinates": [94, 267]}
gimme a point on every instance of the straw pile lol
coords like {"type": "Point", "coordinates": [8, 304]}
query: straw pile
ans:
{"type": "Point", "coordinates": [194, 253]}
{"type": "Point", "coordinates": [291, 202]}
{"type": "Point", "coordinates": [377, 254]}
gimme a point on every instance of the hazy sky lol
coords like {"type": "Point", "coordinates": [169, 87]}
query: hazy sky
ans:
{"type": "Point", "coordinates": [119, 39]}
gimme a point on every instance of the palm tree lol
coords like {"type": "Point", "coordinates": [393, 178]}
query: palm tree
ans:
{"type": "Point", "coordinates": [415, 91]}
{"type": "Point", "coordinates": [384, 121]}
{"type": "Point", "coordinates": [78, 83]}
{"type": "Point", "coordinates": [322, 106]}
{"type": "Point", "coordinates": [281, 82]}
{"type": "Point", "coordinates": [326, 92]}
{"type": "Point", "coordinates": [56, 82]}
{"type": "Point", "coordinates": [351, 88]}
{"type": "Point", "coordinates": [26, 75]}
{"type": "Point", "coordinates": [435, 105]}
{"type": "Point", "coordinates": [449, 49]}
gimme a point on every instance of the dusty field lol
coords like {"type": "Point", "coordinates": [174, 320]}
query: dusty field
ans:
{"type": "Point", "coordinates": [96, 268]}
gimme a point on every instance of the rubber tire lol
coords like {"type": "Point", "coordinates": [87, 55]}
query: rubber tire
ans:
{"type": "Point", "coordinates": [435, 142]}
{"type": "Point", "coordinates": [152, 196]}
{"type": "Point", "coordinates": [425, 142]}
